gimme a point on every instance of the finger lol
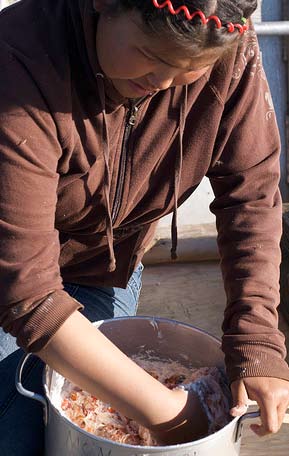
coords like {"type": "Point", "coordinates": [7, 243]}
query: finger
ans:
{"type": "Point", "coordinates": [281, 410]}
{"type": "Point", "coordinates": [239, 397]}
{"type": "Point", "coordinates": [269, 419]}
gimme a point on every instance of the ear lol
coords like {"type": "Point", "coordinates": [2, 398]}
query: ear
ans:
{"type": "Point", "coordinates": [102, 5]}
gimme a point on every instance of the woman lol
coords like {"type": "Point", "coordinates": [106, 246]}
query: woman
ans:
{"type": "Point", "coordinates": [111, 114]}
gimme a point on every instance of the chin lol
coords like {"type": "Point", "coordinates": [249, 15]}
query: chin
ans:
{"type": "Point", "coordinates": [125, 93]}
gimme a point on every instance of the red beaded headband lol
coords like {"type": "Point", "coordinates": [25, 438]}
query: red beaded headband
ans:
{"type": "Point", "coordinates": [230, 26]}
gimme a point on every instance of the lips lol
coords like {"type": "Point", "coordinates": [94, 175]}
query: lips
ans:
{"type": "Point", "coordinates": [141, 89]}
{"type": "Point", "coordinates": [147, 89]}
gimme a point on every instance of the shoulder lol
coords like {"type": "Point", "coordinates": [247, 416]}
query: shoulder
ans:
{"type": "Point", "coordinates": [34, 61]}
{"type": "Point", "coordinates": [239, 67]}
{"type": "Point", "coordinates": [248, 57]}
{"type": "Point", "coordinates": [32, 29]}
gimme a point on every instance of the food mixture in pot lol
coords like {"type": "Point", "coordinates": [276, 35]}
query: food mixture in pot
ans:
{"type": "Point", "coordinates": [100, 419]}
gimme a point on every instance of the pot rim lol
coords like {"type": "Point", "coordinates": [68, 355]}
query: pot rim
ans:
{"type": "Point", "coordinates": [161, 319]}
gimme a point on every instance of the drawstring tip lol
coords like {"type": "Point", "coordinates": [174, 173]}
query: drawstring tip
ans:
{"type": "Point", "coordinates": [112, 265]}
{"type": "Point", "coordinates": [174, 255]}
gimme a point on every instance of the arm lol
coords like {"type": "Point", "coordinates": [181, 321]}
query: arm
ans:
{"type": "Point", "coordinates": [245, 177]}
{"type": "Point", "coordinates": [110, 375]}
{"type": "Point", "coordinates": [30, 280]}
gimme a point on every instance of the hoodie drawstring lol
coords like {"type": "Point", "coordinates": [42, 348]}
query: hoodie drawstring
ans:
{"type": "Point", "coordinates": [177, 174]}
{"type": "Point", "coordinates": [105, 149]}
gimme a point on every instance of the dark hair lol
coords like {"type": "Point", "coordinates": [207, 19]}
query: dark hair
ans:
{"type": "Point", "coordinates": [192, 34]}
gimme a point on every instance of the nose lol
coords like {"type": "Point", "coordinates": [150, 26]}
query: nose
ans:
{"type": "Point", "coordinates": [161, 80]}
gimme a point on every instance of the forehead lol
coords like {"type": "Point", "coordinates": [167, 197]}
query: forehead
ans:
{"type": "Point", "coordinates": [164, 44]}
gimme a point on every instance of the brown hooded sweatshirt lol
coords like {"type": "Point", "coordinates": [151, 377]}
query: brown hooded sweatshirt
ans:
{"type": "Point", "coordinates": [85, 175]}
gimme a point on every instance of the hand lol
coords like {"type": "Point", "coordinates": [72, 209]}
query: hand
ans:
{"type": "Point", "coordinates": [190, 424]}
{"type": "Point", "coordinates": [272, 397]}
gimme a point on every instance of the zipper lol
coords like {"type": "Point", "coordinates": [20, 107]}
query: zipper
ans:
{"type": "Point", "coordinates": [130, 122]}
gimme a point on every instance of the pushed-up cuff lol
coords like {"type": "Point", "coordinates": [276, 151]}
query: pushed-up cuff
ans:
{"type": "Point", "coordinates": [255, 360]}
{"type": "Point", "coordinates": [33, 331]}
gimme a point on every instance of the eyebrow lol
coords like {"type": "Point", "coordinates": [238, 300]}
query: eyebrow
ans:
{"type": "Point", "coordinates": [150, 53]}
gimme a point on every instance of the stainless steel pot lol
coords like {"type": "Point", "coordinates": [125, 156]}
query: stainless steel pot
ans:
{"type": "Point", "coordinates": [166, 339]}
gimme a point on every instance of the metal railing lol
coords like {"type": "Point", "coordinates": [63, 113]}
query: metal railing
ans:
{"type": "Point", "coordinates": [272, 28]}
{"type": "Point", "coordinates": [280, 28]}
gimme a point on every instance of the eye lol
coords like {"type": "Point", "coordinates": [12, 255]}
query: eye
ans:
{"type": "Point", "coordinates": [202, 69]}
{"type": "Point", "coordinates": [148, 57]}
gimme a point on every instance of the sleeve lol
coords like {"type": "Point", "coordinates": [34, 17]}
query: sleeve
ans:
{"type": "Point", "coordinates": [33, 303]}
{"type": "Point", "coordinates": [245, 177]}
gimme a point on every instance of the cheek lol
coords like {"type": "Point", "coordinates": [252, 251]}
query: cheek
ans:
{"type": "Point", "coordinates": [119, 64]}
{"type": "Point", "coordinates": [118, 61]}
{"type": "Point", "coordinates": [189, 78]}
{"type": "Point", "coordinates": [104, 55]}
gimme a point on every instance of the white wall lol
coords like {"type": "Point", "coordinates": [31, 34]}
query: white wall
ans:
{"type": "Point", "coordinates": [195, 211]}
{"type": "Point", "coordinates": [4, 3]}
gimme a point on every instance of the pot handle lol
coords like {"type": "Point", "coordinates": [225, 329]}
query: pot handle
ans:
{"type": "Point", "coordinates": [27, 393]}
{"type": "Point", "coordinates": [244, 417]}
{"type": "Point", "coordinates": [254, 415]}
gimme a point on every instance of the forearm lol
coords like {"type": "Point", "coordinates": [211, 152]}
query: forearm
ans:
{"type": "Point", "coordinates": [81, 353]}
{"type": "Point", "coordinates": [249, 230]}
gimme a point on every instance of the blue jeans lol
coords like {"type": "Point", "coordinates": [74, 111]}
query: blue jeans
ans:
{"type": "Point", "coordinates": [21, 419]}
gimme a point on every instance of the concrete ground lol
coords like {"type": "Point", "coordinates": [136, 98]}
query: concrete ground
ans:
{"type": "Point", "coordinates": [194, 293]}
